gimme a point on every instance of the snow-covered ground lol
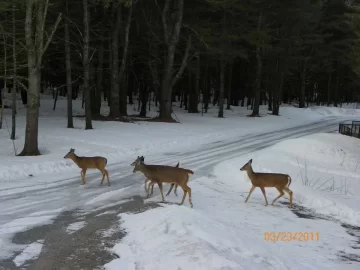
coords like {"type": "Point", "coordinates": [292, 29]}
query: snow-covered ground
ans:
{"type": "Point", "coordinates": [222, 232]}
{"type": "Point", "coordinates": [34, 190]}
{"type": "Point", "coordinates": [122, 141]}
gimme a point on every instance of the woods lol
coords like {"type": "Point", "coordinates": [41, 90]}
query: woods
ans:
{"type": "Point", "coordinates": [302, 52]}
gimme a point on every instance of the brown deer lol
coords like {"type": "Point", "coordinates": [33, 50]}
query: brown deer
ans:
{"type": "Point", "coordinates": [142, 159]}
{"type": "Point", "coordinates": [85, 163]}
{"type": "Point", "coordinates": [262, 180]}
{"type": "Point", "coordinates": [166, 174]}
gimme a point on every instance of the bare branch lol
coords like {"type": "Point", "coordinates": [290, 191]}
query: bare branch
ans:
{"type": "Point", "coordinates": [58, 20]}
{"type": "Point", "coordinates": [183, 64]}
{"type": "Point", "coordinates": [92, 55]}
{"type": "Point", "coordinates": [21, 84]}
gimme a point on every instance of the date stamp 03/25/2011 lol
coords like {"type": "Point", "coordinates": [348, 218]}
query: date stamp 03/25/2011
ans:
{"type": "Point", "coordinates": [291, 236]}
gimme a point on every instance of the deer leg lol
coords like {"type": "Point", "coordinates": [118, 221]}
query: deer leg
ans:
{"type": "Point", "coordinates": [185, 191]}
{"type": "Point", "coordinates": [286, 189]}
{"type": "Point", "coordinates": [176, 186]}
{"type": "Point", "coordinates": [107, 177]}
{"type": "Point", "coordinates": [148, 189]}
{"type": "Point", "coordinates": [83, 173]}
{"type": "Point", "coordinates": [161, 191]}
{"type": "Point", "coordinates": [146, 180]}
{"type": "Point", "coordinates": [82, 177]}
{"type": "Point", "coordinates": [190, 199]}
{"type": "Point", "coordinates": [152, 188]}
{"type": "Point", "coordinates": [151, 184]}
{"type": "Point", "coordinates": [281, 194]}
{"type": "Point", "coordinates": [263, 192]}
{"type": "Point", "coordinates": [172, 185]}
{"type": "Point", "coordinates": [251, 191]}
{"type": "Point", "coordinates": [103, 176]}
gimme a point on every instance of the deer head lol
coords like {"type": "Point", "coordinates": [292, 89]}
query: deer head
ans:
{"type": "Point", "coordinates": [70, 154]}
{"type": "Point", "coordinates": [138, 163]}
{"type": "Point", "coordinates": [247, 166]}
{"type": "Point", "coordinates": [138, 159]}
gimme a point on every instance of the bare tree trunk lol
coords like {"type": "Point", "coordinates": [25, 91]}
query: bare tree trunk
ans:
{"type": "Point", "coordinates": [155, 74]}
{"type": "Point", "coordinates": [277, 98]}
{"type": "Point", "coordinates": [329, 90]}
{"type": "Point", "coordinates": [13, 93]}
{"type": "Point", "coordinates": [194, 91]}
{"type": "Point", "coordinates": [2, 103]}
{"type": "Point", "coordinates": [123, 92]}
{"type": "Point", "coordinates": [70, 123]}
{"type": "Point", "coordinates": [222, 68]}
{"type": "Point", "coordinates": [302, 85]}
{"type": "Point", "coordinates": [230, 87]}
{"type": "Point", "coordinates": [99, 79]}
{"type": "Point", "coordinates": [256, 108]}
{"type": "Point", "coordinates": [35, 51]}
{"type": "Point", "coordinates": [33, 91]}
{"type": "Point", "coordinates": [222, 88]}
{"type": "Point", "coordinates": [5, 79]}
{"type": "Point", "coordinates": [88, 123]}
{"type": "Point", "coordinates": [115, 98]}
{"type": "Point", "coordinates": [206, 90]}
{"type": "Point", "coordinates": [336, 88]}
{"type": "Point", "coordinates": [171, 36]}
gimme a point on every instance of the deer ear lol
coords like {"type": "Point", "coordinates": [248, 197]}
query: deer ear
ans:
{"type": "Point", "coordinates": [250, 161]}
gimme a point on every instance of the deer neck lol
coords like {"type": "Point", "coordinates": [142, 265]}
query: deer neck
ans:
{"type": "Point", "coordinates": [75, 158]}
{"type": "Point", "coordinates": [143, 169]}
{"type": "Point", "coordinates": [251, 173]}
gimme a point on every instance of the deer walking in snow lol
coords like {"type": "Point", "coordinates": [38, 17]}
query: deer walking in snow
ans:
{"type": "Point", "coordinates": [147, 189]}
{"type": "Point", "coordinates": [264, 180]}
{"type": "Point", "coordinates": [85, 163]}
{"type": "Point", "coordinates": [166, 174]}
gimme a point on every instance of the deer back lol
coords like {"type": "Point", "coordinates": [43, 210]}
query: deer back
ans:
{"type": "Point", "coordinates": [164, 173]}
{"type": "Point", "coordinates": [96, 162]}
{"type": "Point", "coordinates": [269, 179]}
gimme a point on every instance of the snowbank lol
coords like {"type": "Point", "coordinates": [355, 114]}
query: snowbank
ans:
{"type": "Point", "coordinates": [223, 232]}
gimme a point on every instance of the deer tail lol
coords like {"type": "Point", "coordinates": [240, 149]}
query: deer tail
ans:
{"type": "Point", "coordinates": [289, 181]}
{"type": "Point", "coordinates": [189, 171]}
{"type": "Point", "coordinates": [105, 159]}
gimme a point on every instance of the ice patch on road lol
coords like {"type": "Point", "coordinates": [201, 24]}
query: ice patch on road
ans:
{"type": "Point", "coordinates": [31, 252]}
{"type": "Point", "coordinates": [74, 227]}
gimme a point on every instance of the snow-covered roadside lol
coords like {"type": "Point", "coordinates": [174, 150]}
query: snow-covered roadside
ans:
{"type": "Point", "coordinates": [222, 232]}
{"type": "Point", "coordinates": [122, 141]}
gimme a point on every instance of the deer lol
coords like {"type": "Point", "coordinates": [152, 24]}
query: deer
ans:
{"type": "Point", "coordinates": [265, 180]}
{"type": "Point", "coordinates": [153, 183]}
{"type": "Point", "coordinates": [85, 163]}
{"type": "Point", "coordinates": [166, 174]}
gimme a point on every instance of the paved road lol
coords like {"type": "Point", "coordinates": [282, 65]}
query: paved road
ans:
{"type": "Point", "coordinates": [86, 247]}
